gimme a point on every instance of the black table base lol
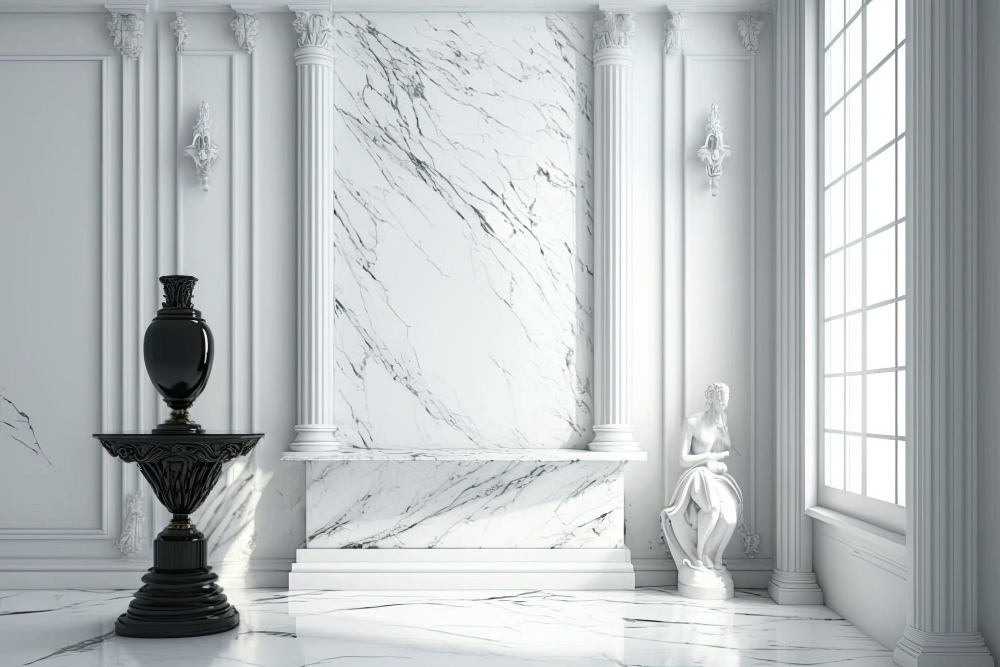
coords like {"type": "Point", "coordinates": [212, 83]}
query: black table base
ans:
{"type": "Point", "coordinates": [180, 596]}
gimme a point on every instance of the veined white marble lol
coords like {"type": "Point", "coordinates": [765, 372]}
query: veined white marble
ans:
{"type": "Point", "coordinates": [651, 627]}
{"type": "Point", "coordinates": [465, 504]}
{"type": "Point", "coordinates": [468, 454]}
{"type": "Point", "coordinates": [227, 518]}
{"type": "Point", "coordinates": [464, 229]}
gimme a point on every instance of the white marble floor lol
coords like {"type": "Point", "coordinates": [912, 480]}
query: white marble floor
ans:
{"type": "Point", "coordinates": [468, 629]}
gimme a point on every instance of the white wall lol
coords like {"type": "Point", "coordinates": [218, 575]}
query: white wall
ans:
{"type": "Point", "coordinates": [245, 226]}
{"type": "Point", "coordinates": [718, 261]}
{"type": "Point", "coordinates": [86, 244]}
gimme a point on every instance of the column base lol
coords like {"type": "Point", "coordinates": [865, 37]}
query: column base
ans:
{"type": "Point", "coordinates": [794, 588]}
{"type": "Point", "coordinates": [917, 648]}
{"type": "Point", "coordinates": [315, 438]}
{"type": "Point", "coordinates": [614, 438]}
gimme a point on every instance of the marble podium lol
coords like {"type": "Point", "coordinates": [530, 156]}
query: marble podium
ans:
{"type": "Point", "coordinates": [460, 518]}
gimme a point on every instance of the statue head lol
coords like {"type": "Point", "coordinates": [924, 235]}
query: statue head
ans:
{"type": "Point", "coordinates": [717, 397]}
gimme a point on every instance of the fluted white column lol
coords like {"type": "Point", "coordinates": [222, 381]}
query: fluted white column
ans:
{"type": "Point", "coordinates": [941, 496]}
{"type": "Point", "coordinates": [613, 46]}
{"type": "Point", "coordinates": [314, 424]}
{"type": "Point", "coordinates": [793, 580]}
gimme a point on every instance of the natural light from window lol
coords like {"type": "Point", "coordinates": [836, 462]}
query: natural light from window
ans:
{"type": "Point", "coordinates": [863, 236]}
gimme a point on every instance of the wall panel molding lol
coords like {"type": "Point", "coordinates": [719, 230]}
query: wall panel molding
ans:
{"type": "Point", "coordinates": [238, 150]}
{"type": "Point", "coordinates": [694, 181]}
{"type": "Point", "coordinates": [108, 393]}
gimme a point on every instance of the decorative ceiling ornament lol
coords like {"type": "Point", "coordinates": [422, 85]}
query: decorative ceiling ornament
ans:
{"type": "Point", "coordinates": [127, 31]}
{"type": "Point", "coordinates": [714, 151]}
{"type": "Point", "coordinates": [750, 27]}
{"type": "Point", "coordinates": [674, 33]}
{"type": "Point", "coordinates": [246, 25]}
{"type": "Point", "coordinates": [180, 27]}
{"type": "Point", "coordinates": [615, 31]}
{"type": "Point", "coordinates": [202, 150]}
{"type": "Point", "coordinates": [313, 28]}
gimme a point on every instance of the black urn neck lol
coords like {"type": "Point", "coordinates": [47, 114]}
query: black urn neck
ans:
{"type": "Point", "coordinates": [178, 295]}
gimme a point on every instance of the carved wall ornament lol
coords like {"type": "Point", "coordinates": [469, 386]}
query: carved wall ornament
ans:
{"type": "Point", "coordinates": [750, 27]}
{"type": "Point", "coordinates": [202, 150]}
{"type": "Point", "coordinates": [714, 151]}
{"type": "Point", "coordinates": [674, 33]}
{"type": "Point", "coordinates": [246, 25]}
{"type": "Point", "coordinates": [615, 31]}
{"type": "Point", "coordinates": [751, 542]}
{"type": "Point", "coordinates": [313, 28]}
{"type": "Point", "coordinates": [127, 31]}
{"type": "Point", "coordinates": [180, 27]}
{"type": "Point", "coordinates": [131, 541]}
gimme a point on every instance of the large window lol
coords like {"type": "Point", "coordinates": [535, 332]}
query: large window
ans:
{"type": "Point", "coordinates": [863, 313]}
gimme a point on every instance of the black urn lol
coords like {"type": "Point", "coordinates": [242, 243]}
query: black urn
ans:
{"type": "Point", "coordinates": [178, 350]}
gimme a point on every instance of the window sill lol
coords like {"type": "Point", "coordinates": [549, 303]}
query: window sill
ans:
{"type": "Point", "coordinates": [883, 548]}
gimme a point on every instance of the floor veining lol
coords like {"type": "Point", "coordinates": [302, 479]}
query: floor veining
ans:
{"type": "Point", "coordinates": [648, 626]}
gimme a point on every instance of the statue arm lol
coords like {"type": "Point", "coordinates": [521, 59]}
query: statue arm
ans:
{"type": "Point", "coordinates": [687, 458]}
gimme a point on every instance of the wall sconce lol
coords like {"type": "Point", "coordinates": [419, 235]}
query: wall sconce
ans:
{"type": "Point", "coordinates": [202, 150]}
{"type": "Point", "coordinates": [714, 151]}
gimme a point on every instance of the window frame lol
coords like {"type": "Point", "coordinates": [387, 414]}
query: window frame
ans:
{"type": "Point", "coordinates": [884, 514]}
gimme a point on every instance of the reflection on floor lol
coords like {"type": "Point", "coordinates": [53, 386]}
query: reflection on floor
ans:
{"type": "Point", "coordinates": [644, 627]}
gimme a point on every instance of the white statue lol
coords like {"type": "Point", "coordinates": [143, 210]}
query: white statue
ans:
{"type": "Point", "coordinates": [706, 506]}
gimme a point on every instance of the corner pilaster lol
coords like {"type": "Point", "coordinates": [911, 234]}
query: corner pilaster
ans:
{"type": "Point", "coordinates": [793, 580]}
{"type": "Point", "coordinates": [942, 625]}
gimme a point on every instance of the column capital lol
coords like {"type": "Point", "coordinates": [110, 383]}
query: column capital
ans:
{"type": "Point", "coordinates": [126, 27]}
{"type": "Point", "coordinates": [313, 25]}
{"type": "Point", "coordinates": [614, 37]}
{"type": "Point", "coordinates": [674, 33]}
{"type": "Point", "coordinates": [246, 26]}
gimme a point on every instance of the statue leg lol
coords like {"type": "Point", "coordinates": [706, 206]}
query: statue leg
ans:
{"type": "Point", "coordinates": [729, 519]}
{"type": "Point", "coordinates": [708, 519]}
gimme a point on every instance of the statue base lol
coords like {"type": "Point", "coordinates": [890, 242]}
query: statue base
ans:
{"type": "Point", "coordinates": [703, 583]}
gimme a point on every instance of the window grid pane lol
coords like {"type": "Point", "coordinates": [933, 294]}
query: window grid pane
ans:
{"type": "Point", "coordinates": [863, 281]}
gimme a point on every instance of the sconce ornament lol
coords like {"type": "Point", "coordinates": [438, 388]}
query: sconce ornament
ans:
{"type": "Point", "coordinates": [750, 27]}
{"type": "Point", "coordinates": [714, 151]}
{"type": "Point", "coordinates": [180, 27]}
{"type": "Point", "coordinates": [202, 150]}
{"type": "Point", "coordinates": [674, 33]}
{"type": "Point", "coordinates": [127, 31]}
{"type": "Point", "coordinates": [246, 25]}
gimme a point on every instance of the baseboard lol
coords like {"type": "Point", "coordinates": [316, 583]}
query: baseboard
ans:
{"type": "Point", "coordinates": [458, 569]}
{"type": "Point", "coordinates": [747, 572]}
{"type": "Point", "coordinates": [106, 573]}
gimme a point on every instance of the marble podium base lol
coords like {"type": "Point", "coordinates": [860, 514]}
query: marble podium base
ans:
{"type": "Point", "coordinates": [443, 519]}
{"type": "Point", "coordinates": [457, 569]}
